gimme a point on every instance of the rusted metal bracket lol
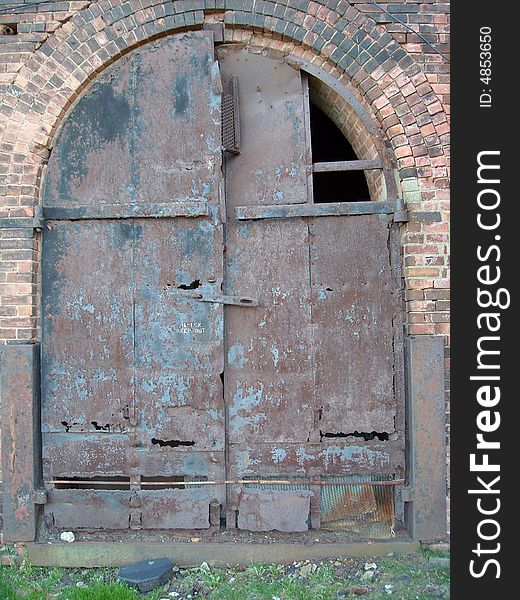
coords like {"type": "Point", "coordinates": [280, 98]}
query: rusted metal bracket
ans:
{"type": "Point", "coordinates": [21, 223]}
{"type": "Point", "coordinates": [222, 299]}
{"type": "Point", "coordinates": [235, 300]}
{"type": "Point", "coordinates": [198, 208]}
{"type": "Point", "coordinates": [426, 512]}
{"type": "Point", "coordinates": [401, 216]}
{"type": "Point", "coordinates": [20, 417]}
{"type": "Point", "coordinates": [347, 165]}
{"type": "Point", "coordinates": [35, 222]}
{"type": "Point", "coordinates": [286, 211]}
{"type": "Point", "coordinates": [40, 496]}
{"type": "Point", "coordinates": [407, 494]}
{"type": "Point", "coordinates": [425, 217]}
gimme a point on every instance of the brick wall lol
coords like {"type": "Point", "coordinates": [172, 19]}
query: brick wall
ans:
{"type": "Point", "coordinates": [393, 69]}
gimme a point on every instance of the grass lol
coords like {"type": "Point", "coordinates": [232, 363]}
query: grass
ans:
{"type": "Point", "coordinates": [414, 577]}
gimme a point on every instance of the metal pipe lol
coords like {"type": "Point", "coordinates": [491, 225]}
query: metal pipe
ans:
{"type": "Point", "coordinates": [226, 482]}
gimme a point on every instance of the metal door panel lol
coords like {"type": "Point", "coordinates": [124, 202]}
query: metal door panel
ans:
{"type": "Point", "coordinates": [179, 340]}
{"type": "Point", "coordinates": [269, 368]}
{"type": "Point", "coordinates": [355, 303]}
{"type": "Point", "coordinates": [147, 130]}
{"type": "Point", "coordinates": [87, 327]}
{"type": "Point", "coordinates": [88, 509]}
{"type": "Point", "coordinates": [179, 509]}
{"type": "Point", "coordinates": [125, 349]}
{"type": "Point", "coordinates": [315, 460]}
{"type": "Point", "coordinates": [77, 455]}
{"type": "Point", "coordinates": [268, 510]}
{"type": "Point", "coordinates": [270, 168]}
{"type": "Point", "coordinates": [188, 463]}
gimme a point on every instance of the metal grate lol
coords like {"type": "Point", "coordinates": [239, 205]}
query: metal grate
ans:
{"type": "Point", "coordinates": [358, 505]}
{"type": "Point", "coordinates": [230, 118]}
{"type": "Point", "coordinates": [365, 511]}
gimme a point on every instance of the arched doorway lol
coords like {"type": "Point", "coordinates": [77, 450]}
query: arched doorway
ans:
{"type": "Point", "coordinates": [218, 345]}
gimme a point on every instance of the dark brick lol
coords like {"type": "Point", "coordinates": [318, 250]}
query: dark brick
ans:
{"type": "Point", "coordinates": [403, 8]}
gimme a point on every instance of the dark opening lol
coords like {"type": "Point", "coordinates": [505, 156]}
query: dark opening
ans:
{"type": "Point", "coordinates": [189, 286]}
{"type": "Point", "coordinates": [381, 436]}
{"type": "Point", "coordinates": [330, 145]}
{"type": "Point", "coordinates": [8, 29]}
{"type": "Point", "coordinates": [172, 443]}
{"type": "Point", "coordinates": [94, 483]}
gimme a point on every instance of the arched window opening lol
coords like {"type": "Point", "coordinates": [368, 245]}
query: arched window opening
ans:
{"type": "Point", "coordinates": [329, 145]}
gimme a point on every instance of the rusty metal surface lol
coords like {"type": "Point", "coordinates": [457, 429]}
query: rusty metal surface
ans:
{"type": "Point", "coordinates": [307, 459]}
{"type": "Point", "coordinates": [244, 213]}
{"type": "Point", "coordinates": [355, 302]}
{"type": "Point", "coordinates": [178, 347]}
{"type": "Point", "coordinates": [87, 334]}
{"type": "Point", "coordinates": [143, 131]}
{"type": "Point", "coordinates": [19, 416]}
{"type": "Point", "coordinates": [178, 340]}
{"type": "Point", "coordinates": [270, 510]}
{"type": "Point", "coordinates": [426, 508]}
{"type": "Point", "coordinates": [179, 509]}
{"type": "Point", "coordinates": [132, 365]}
{"type": "Point", "coordinates": [88, 509]}
{"type": "Point", "coordinates": [268, 382]}
{"type": "Point", "coordinates": [361, 505]}
{"type": "Point", "coordinates": [271, 117]}
{"type": "Point", "coordinates": [70, 454]}
{"type": "Point", "coordinates": [365, 511]}
{"type": "Point", "coordinates": [316, 358]}
{"type": "Point", "coordinates": [128, 211]}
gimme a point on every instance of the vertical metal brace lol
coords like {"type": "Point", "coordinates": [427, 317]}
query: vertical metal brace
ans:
{"type": "Point", "coordinates": [425, 496]}
{"type": "Point", "coordinates": [21, 443]}
{"type": "Point", "coordinates": [214, 515]}
{"type": "Point", "coordinates": [316, 509]}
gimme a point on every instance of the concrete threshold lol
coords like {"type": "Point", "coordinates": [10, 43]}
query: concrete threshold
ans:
{"type": "Point", "coordinates": [115, 554]}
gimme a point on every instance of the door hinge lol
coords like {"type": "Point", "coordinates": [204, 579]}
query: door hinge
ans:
{"type": "Point", "coordinates": [407, 494]}
{"type": "Point", "coordinates": [40, 496]}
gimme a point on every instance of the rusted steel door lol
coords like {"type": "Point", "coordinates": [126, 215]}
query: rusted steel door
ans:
{"type": "Point", "coordinates": [200, 329]}
{"type": "Point", "coordinates": [132, 250]}
{"type": "Point", "coordinates": [312, 373]}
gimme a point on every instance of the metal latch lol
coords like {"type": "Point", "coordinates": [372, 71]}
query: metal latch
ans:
{"type": "Point", "coordinates": [223, 299]}
{"type": "Point", "coordinates": [219, 298]}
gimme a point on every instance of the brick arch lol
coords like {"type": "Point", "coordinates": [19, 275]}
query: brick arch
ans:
{"type": "Point", "coordinates": [343, 42]}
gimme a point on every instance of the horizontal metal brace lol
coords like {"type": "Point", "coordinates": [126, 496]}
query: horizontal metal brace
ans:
{"type": "Point", "coordinates": [128, 211]}
{"type": "Point", "coordinates": [347, 165]}
{"type": "Point", "coordinates": [21, 223]}
{"type": "Point", "coordinates": [286, 211]}
{"type": "Point", "coordinates": [182, 484]}
{"type": "Point", "coordinates": [425, 217]}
